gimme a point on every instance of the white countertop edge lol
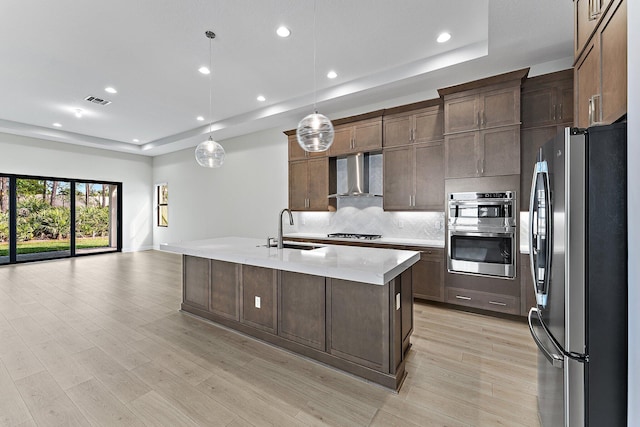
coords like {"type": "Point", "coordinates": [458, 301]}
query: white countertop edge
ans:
{"type": "Point", "coordinates": [356, 274]}
{"type": "Point", "coordinates": [384, 240]}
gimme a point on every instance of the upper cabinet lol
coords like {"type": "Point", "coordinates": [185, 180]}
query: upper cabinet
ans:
{"type": "Point", "coordinates": [356, 137]}
{"type": "Point", "coordinates": [414, 123]}
{"type": "Point", "coordinates": [548, 100]}
{"type": "Point", "coordinates": [482, 127]}
{"type": "Point", "coordinates": [310, 184]}
{"type": "Point", "coordinates": [296, 152]}
{"type": "Point", "coordinates": [600, 70]}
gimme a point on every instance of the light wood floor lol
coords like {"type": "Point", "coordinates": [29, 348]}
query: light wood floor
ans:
{"type": "Point", "coordinates": [99, 341]}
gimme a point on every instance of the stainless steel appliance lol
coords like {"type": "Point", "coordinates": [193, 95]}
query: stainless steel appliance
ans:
{"type": "Point", "coordinates": [578, 252]}
{"type": "Point", "coordinates": [355, 236]}
{"type": "Point", "coordinates": [482, 234]}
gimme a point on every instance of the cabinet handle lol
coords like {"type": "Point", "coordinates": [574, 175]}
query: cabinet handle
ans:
{"type": "Point", "coordinates": [412, 136]}
{"type": "Point", "coordinates": [594, 9]}
{"type": "Point", "coordinates": [478, 167]}
{"type": "Point", "coordinates": [478, 119]}
{"type": "Point", "coordinates": [554, 112]}
{"type": "Point", "coordinates": [482, 167]}
{"type": "Point", "coordinates": [594, 109]}
{"type": "Point", "coordinates": [560, 112]}
{"type": "Point", "coordinates": [484, 118]}
{"type": "Point", "coordinates": [463, 298]}
{"type": "Point", "coordinates": [498, 303]}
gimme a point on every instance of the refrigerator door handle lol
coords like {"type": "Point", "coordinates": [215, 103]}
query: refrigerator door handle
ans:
{"type": "Point", "coordinates": [556, 360]}
{"type": "Point", "coordinates": [539, 234]}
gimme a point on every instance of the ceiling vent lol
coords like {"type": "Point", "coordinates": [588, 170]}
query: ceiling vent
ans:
{"type": "Point", "coordinates": [97, 100]}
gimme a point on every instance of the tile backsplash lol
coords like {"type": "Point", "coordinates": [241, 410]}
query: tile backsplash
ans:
{"type": "Point", "coordinates": [365, 215]}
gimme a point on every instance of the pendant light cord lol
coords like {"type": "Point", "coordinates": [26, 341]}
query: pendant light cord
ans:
{"type": "Point", "coordinates": [210, 85]}
{"type": "Point", "coordinates": [315, 89]}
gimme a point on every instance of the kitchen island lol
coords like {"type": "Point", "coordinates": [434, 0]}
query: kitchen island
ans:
{"type": "Point", "coordinates": [347, 307]}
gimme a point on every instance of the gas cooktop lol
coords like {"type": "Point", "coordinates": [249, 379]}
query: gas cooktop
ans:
{"type": "Point", "coordinates": [355, 236]}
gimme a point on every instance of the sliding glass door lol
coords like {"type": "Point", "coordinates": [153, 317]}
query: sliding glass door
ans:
{"type": "Point", "coordinates": [43, 222]}
{"type": "Point", "coordinates": [96, 217]}
{"type": "Point", "coordinates": [46, 218]}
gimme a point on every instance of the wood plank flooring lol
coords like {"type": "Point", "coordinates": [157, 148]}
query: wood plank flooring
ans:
{"type": "Point", "coordinates": [99, 341]}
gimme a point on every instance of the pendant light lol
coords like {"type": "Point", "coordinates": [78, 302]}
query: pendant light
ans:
{"type": "Point", "coordinates": [315, 131]}
{"type": "Point", "coordinates": [209, 153]}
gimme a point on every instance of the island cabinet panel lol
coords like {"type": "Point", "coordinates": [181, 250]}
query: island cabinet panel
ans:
{"type": "Point", "coordinates": [365, 309]}
{"type": "Point", "coordinates": [301, 309]}
{"type": "Point", "coordinates": [225, 285]}
{"type": "Point", "coordinates": [195, 281]}
{"type": "Point", "coordinates": [406, 312]}
{"type": "Point", "coordinates": [259, 307]}
{"type": "Point", "coordinates": [428, 275]}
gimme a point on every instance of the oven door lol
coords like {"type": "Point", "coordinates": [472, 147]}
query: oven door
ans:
{"type": "Point", "coordinates": [487, 253]}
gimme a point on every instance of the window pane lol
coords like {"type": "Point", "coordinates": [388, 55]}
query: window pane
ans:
{"type": "Point", "coordinates": [4, 220]}
{"type": "Point", "coordinates": [96, 217]}
{"type": "Point", "coordinates": [163, 216]}
{"type": "Point", "coordinates": [43, 219]}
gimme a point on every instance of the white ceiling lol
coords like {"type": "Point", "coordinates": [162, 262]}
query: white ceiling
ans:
{"type": "Point", "coordinates": [53, 54]}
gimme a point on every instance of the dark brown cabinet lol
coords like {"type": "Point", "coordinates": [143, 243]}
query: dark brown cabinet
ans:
{"type": "Point", "coordinates": [259, 300]}
{"type": "Point", "coordinates": [414, 177]}
{"type": "Point", "coordinates": [600, 72]}
{"type": "Point", "coordinates": [428, 275]}
{"type": "Point", "coordinates": [548, 100]}
{"type": "Point", "coordinates": [297, 153]}
{"type": "Point", "coordinates": [356, 137]}
{"type": "Point", "coordinates": [195, 291]}
{"type": "Point", "coordinates": [224, 299]}
{"type": "Point", "coordinates": [491, 152]}
{"type": "Point", "coordinates": [301, 309]}
{"type": "Point", "coordinates": [484, 300]}
{"type": "Point", "coordinates": [309, 185]}
{"type": "Point", "coordinates": [417, 126]}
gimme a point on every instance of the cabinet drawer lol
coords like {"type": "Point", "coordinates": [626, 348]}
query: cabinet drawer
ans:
{"type": "Point", "coordinates": [484, 300]}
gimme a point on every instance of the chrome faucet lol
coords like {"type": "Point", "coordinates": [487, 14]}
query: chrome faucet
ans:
{"type": "Point", "coordinates": [280, 226]}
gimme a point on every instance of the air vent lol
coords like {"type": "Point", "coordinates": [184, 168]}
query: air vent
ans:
{"type": "Point", "coordinates": [97, 100]}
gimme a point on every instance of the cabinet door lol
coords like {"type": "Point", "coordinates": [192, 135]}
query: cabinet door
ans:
{"type": "Point", "coordinates": [428, 125]}
{"type": "Point", "coordinates": [341, 140]}
{"type": "Point", "coordinates": [295, 151]}
{"type": "Point", "coordinates": [398, 178]}
{"type": "Point", "coordinates": [318, 186]}
{"type": "Point", "coordinates": [397, 131]}
{"type": "Point", "coordinates": [500, 150]}
{"type": "Point", "coordinates": [538, 107]}
{"type": "Point", "coordinates": [301, 309]}
{"type": "Point", "coordinates": [530, 143]}
{"type": "Point", "coordinates": [613, 45]}
{"type": "Point", "coordinates": [500, 107]}
{"type": "Point", "coordinates": [587, 84]}
{"type": "Point", "coordinates": [461, 114]}
{"type": "Point", "coordinates": [428, 275]}
{"type": "Point", "coordinates": [367, 136]}
{"type": "Point", "coordinates": [196, 281]}
{"type": "Point", "coordinates": [585, 23]}
{"type": "Point", "coordinates": [460, 156]}
{"type": "Point", "coordinates": [259, 297]}
{"type": "Point", "coordinates": [298, 172]}
{"type": "Point", "coordinates": [224, 299]}
{"type": "Point", "coordinates": [564, 103]}
{"type": "Point", "coordinates": [429, 176]}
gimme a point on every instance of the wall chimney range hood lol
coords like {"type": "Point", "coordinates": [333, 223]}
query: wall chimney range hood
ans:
{"type": "Point", "coordinates": [357, 176]}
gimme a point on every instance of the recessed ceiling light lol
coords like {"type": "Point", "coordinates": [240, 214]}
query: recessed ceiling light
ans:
{"type": "Point", "coordinates": [78, 112]}
{"type": "Point", "coordinates": [204, 70]}
{"type": "Point", "coordinates": [443, 37]}
{"type": "Point", "coordinates": [136, 140]}
{"type": "Point", "coordinates": [261, 98]}
{"type": "Point", "coordinates": [283, 31]}
{"type": "Point", "coordinates": [110, 89]}
{"type": "Point", "coordinates": [58, 125]}
{"type": "Point", "coordinates": [332, 74]}
{"type": "Point", "coordinates": [200, 118]}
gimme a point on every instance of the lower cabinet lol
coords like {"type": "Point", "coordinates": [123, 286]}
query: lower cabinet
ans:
{"type": "Point", "coordinates": [224, 291]}
{"type": "Point", "coordinates": [259, 286]}
{"type": "Point", "coordinates": [428, 275]}
{"type": "Point", "coordinates": [301, 309]}
{"type": "Point", "coordinates": [195, 278]}
{"type": "Point", "coordinates": [484, 300]}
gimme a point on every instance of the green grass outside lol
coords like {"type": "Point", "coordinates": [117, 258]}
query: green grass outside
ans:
{"type": "Point", "coordinates": [35, 246]}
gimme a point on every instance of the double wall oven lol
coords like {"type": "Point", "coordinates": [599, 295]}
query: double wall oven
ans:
{"type": "Point", "coordinates": [482, 234]}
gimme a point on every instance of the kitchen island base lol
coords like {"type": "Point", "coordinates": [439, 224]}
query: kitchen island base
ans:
{"type": "Point", "coordinates": [360, 328]}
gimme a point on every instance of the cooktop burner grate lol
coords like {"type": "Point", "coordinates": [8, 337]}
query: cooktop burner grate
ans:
{"type": "Point", "coordinates": [355, 236]}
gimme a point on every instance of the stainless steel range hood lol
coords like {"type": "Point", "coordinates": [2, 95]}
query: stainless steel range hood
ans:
{"type": "Point", "coordinates": [357, 174]}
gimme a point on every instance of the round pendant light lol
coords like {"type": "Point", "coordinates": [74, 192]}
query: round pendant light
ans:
{"type": "Point", "coordinates": [209, 153]}
{"type": "Point", "coordinates": [315, 131]}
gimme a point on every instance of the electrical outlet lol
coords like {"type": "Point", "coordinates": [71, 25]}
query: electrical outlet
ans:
{"type": "Point", "coordinates": [398, 301]}
{"type": "Point", "coordinates": [400, 224]}
{"type": "Point", "coordinates": [257, 302]}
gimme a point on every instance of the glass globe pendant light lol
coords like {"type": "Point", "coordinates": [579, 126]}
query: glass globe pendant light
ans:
{"type": "Point", "coordinates": [315, 131]}
{"type": "Point", "coordinates": [209, 153]}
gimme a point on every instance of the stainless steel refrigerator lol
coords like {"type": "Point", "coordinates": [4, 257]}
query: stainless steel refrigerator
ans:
{"type": "Point", "coordinates": [578, 254]}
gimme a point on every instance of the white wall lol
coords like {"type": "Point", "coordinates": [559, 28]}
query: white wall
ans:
{"type": "Point", "coordinates": [242, 198]}
{"type": "Point", "coordinates": [31, 156]}
{"type": "Point", "coordinates": [633, 138]}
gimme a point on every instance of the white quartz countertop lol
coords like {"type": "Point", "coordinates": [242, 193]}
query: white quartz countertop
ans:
{"type": "Point", "coordinates": [360, 264]}
{"type": "Point", "coordinates": [384, 240]}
